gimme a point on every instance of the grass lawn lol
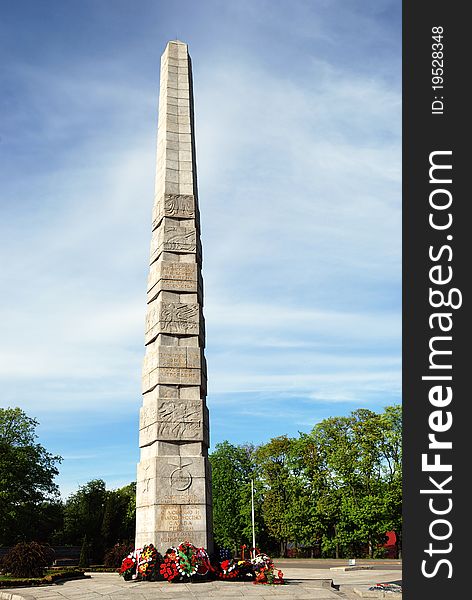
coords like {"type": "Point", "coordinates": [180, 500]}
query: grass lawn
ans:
{"type": "Point", "coordinates": [50, 577]}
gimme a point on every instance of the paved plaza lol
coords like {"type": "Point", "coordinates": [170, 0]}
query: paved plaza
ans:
{"type": "Point", "coordinates": [305, 581]}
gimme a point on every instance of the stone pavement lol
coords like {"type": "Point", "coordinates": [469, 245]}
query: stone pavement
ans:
{"type": "Point", "coordinates": [302, 584]}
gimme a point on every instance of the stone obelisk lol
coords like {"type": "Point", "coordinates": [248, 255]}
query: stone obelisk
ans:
{"type": "Point", "coordinates": [173, 498]}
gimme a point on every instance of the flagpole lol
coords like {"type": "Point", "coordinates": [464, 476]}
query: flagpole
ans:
{"type": "Point", "coordinates": [253, 524]}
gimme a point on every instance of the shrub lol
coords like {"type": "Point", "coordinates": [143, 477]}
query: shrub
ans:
{"type": "Point", "coordinates": [27, 559]}
{"type": "Point", "coordinates": [114, 556]}
{"type": "Point", "coordinates": [84, 559]}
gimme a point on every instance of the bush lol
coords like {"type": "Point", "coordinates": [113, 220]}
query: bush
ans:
{"type": "Point", "coordinates": [27, 559]}
{"type": "Point", "coordinates": [114, 556]}
{"type": "Point", "coordinates": [84, 559]}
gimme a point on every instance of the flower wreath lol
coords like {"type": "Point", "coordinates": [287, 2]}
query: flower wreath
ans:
{"type": "Point", "coordinates": [128, 566]}
{"type": "Point", "coordinates": [168, 567]}
{"type": "Point", "coordinates": [203, 561]}
{"type": "Point", "coordinates": [146, 561]}
{"type": "Point", "coordinates": [185, 560]}
{"type": "Point", "coordinates": [229, 569]}
{"type": "Point", "coordinates": [265, 570]}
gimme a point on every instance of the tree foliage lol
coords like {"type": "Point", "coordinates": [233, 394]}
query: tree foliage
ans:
{"type": "Point", "coordinates": [232, 471]}
{"type": "Point", "coordinates": [337, 487]}
{"type": "Point", "coordinates": [102, 517]}
{"type": "Point", "coordinates": [27, 472]}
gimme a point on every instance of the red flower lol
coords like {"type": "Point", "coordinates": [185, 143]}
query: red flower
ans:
{"type": "Point", "coordinates": [168, 569]}
{"type": "Point", "coordinates": [127, 563]}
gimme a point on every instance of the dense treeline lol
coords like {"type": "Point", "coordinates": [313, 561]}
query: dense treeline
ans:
{"type": "Point", "coordinates": [333, 492]}
{"type": "Point", "coordinates": [30, 506]}
{"type": "Point", "coordinates": [336, 490]}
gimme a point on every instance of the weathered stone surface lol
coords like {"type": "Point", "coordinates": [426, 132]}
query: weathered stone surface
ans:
{"type": "Point", "coordinates": [171, 317]}
{"type": "Point", "coordinates": [172, 271]}
{"type": "Point", "coordinates": [174, 419]}
{"type": "Point", "coordinates": [172, 276]}
{"type": "Point", "coordinates": [173, 238]}
{"type": "Point", "coordinates": [173, 410]}
{"type": "Point", "coordinates": [171, 375]}
{"type": "Point", "coordinates": [173, 500]}
{"type": "Point", "coordinates": [171, 357]}
{"type": "Point", "coordinates": [169, 522]}
{"type": "Point", "coordinates": [176, 205]}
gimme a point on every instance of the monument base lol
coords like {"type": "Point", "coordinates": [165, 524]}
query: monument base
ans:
{"type": "Point", "coordinates": [173, 497]}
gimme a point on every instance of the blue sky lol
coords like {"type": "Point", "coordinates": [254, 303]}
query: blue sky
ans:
{"type": "Point", "coordinates": [298, 118]}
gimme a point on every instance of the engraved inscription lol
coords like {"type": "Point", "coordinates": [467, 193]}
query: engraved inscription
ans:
{"type": "Point", "coordinates": [187, 499]}
{"type": "Point", "coordinates": [172, 358]}
{"type": "Point", "coordinates": [179, 517]}
{"type": "Point", "coordinates": [179, 376]}
{"type": "Point", "coordinates": [175, 275]}
{"type": "Point", "coordinates": [185, 271]}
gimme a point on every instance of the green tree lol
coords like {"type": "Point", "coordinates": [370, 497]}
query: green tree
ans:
{"type": "Point", "coordinates": [83, 516]}
{"type": "Point", "coordinates": [49, 523]}
{"type": "Point", "coordinates": [232, 470]}
{"type": "Point", "coordinates": [361, 466]}
{"type": "Point", "coordinates": [84, 560]}
{"type": "Point", "coordinates": [119, 518]}
{"type": "Point", "coordinates": [282, 491]}
{"type": "Point", "coordinates": [102, 517]}
{"type": "Point", "coordinates": [391, 453]}
{"type": "Point", "coordinates": [27, 473]}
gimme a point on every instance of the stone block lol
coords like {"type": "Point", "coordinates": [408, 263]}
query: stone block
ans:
{"type": "Point", "coordinates": [173, 376]}
{"type": "Point", "coordinates": [186, 188]}
{"type": "Point", "coordinates": [174, 420]}
{"type": "Point", "coordinates": [163, 540]}
{"type": "Point", "coordinates": [190, 341]}
{"type": "Point", "coordinates": [172, 175]}
{"type": "Point", "coordinates": [172, 449]}
{"type": "Point", "coordinates": [171, 392]}
{"type": "Point", "coordinates": [171, 318]}
{"type": "Point", "coordinates": [185, 176]}
{"type": "Point", "coordinates": [173, 410]}
{"type": "Point", "coordinates": [170, 466]}
{"type": "Point", "coordinates": [171, 237]}
{"type": "Point", "coordinates": [180, 357]}
{"type": "Point", "coordinates": [173, 205]}
{"type": "Point", "coordinates": [172, 276]}
{"type": "Point", "coordinates": [178, 517]}
{"type": "Point", "coordinates": [186, 166]}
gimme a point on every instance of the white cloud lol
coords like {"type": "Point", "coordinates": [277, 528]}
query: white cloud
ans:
{"type": "Point", "coordinates": [299, 178]}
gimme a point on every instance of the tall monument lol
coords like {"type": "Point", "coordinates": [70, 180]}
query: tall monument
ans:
{"type": "Point", "coordinates": [173, 498]}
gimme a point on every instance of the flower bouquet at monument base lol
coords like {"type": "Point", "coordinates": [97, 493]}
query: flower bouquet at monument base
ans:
{"type": "Point", "coordinates": [265, 571]}
{"type": "Point", "coordinates": [143, 564]}
{"type": "Point", "coordinates": [187, 563]}
{"type": "Point", "coordinates": [259, 569]}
